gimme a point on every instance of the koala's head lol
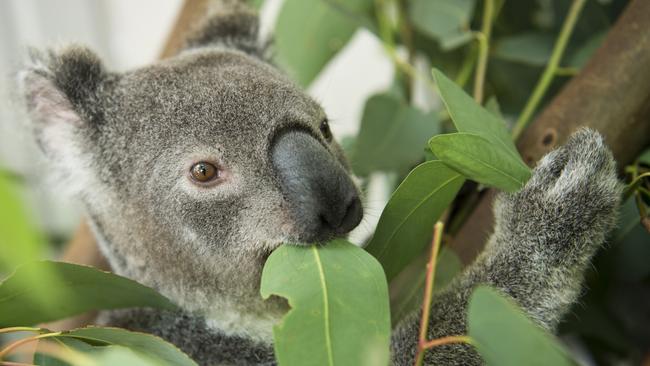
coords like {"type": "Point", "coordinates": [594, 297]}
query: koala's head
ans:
{"type": "Point", "coordinates": [194, 168]}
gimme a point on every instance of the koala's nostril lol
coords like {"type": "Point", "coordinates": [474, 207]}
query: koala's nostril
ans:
{"type": "Point", "coordinates": [353, 215]}
{"type": "Point", "coordinates": [344, 218]}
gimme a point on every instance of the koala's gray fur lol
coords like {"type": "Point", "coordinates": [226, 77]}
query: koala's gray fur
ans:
{"type": "Point", "coordinates": [123, 143]}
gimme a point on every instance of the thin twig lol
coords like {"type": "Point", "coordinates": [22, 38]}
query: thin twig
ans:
{"type": "Point", "coordinates": [483, 39]}
{"type": "Point", "coordinates": [9, 363]}
{"type": "Point", "coordinates": [428, 291]}
{"type": "Point", "coordinates": [551, 68]}
{"type": "Point", "coordinates": [447, 340]}
{"type": "Point", "coordinates": [23, 341]}
{"type": "Point", "coordinates": [20, 329]}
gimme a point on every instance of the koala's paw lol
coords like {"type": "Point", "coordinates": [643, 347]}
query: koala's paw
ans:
{"type": "Point", "coordinates": [573, 195]}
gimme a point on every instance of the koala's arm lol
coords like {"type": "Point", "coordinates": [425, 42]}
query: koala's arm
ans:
{"type": "Point", "coordinates": [544, 238]}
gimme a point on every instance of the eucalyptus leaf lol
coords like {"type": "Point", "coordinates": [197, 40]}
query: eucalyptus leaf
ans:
{"type": "Point", "coordinates": [405, 226]}
{"type": "Point", "coordinates": [339, 305]}
{"type": "Point", "coordinates": [74, 289]}
{"type": "Point", "coordinates": [504, 336]}
{"type": "Point", "coordinates": [580, 57]}
{"type": "Point", "coordinates": [492, 106]}
{"type": "Point", "coordinates": [447, 21]}
{"type": "Point", "coordinates": [116, 355]}
{"type": "Point", "coordinates": [502, 166]}
{"type": "Point", "coordinates": [478, 159]}
{"type": "Point", "coordinates": [145, 346]}
{"type": "Point", "coordinates": [393, 136]}
{"type": "Point", "coordinates": [644, 158]}
{"type": "Point", "coordinates": [528, 48]}
{"type": "Point", "coordinates": [470, 117]}
{"type": "Point", "coordinates": [406, 296]}
{"type": "Point", "coordinates": [308, 33]}
{"type": "Point", "coordinates": [20, 241]}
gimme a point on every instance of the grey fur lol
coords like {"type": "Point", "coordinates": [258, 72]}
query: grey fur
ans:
{"type": "Point", "coordinates": [123, 143]}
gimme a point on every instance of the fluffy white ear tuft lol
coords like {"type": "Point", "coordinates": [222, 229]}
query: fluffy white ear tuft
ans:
{"type": "Point", "coordinates": [60, 89]}
{"type": "Point", "coordinates": [53, 118]}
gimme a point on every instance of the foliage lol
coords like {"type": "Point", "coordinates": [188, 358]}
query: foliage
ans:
{"type": "Point", "coordinates": [72, 289]}
{"type": "Point", "coordinates": [338, 292]}
{"type": "Point", "coordinates": [339, 305]}
{"type": "Point", "coordinates": [505, 336]}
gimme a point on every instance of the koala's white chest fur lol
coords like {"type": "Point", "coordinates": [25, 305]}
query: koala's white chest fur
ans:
{"type": "Point", "coordinates": [233, 322]}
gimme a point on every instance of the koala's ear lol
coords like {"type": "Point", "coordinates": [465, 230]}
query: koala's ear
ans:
{"type": "Point", "coordinates": [229, 24]}
{"type": "Point", "coordinates": [60, 89]}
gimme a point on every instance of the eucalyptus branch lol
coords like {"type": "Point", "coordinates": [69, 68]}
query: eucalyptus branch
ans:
{"type": "Point", "coordinates": [483, 39]}
{"type": "Point", "coordinates": [447, 340]}
{"type": "Point", "coordinates": [428, 291]}
{"type": "Point", "coordinates": [551, 68]}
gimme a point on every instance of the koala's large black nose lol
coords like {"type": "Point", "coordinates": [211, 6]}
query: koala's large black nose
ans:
{"type": "Point", "coordinates": [324, 201]}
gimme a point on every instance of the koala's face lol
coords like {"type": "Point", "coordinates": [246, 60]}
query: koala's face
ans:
{"type": "Point", "coordinates": [208, 157]}
{"type": "Point", "coordinates": [223, 149]}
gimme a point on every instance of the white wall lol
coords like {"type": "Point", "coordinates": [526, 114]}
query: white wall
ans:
{"type": "Point", "coordinates": [127, 34]}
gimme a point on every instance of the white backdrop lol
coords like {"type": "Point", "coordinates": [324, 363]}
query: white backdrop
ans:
{"type": "Point", "coordinates": [128, 34]}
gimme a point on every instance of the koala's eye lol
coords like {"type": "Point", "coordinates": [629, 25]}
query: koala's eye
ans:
{"type": "Point", "coordinates": [325, 130]}
{"type": "Point", "coordinates": [204, 172]}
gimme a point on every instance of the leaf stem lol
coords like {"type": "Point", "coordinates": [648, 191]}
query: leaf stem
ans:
{"type": "Point", "coordinates": [447, 340]}
{"type": "Point", "coordinates": [633, 185]}
{"type": "Point", "coordinates": [483, 39]}
{"type": "Point", "coordinates": [23, 341]}
{"type": "Point", "coordinates": [428, 291]}
{"type": "Point", "coordinates": [8, 363]}
{"type": "Point", "coordinates": [21, 329]}
{"type": "Point", "coordinates": [551, 68]}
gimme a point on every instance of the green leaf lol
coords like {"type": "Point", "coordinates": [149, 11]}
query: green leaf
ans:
{"type": "Point", "coordinates": [528, 48]}
{"type": "Point", "coordinates": [74, 289]}
{"type": "Point", "coordinates": [393, 136]}
{"type": "Point", "coordinates": [339, 305]}
{"type": "Point", "coordinates": [405, 226]}
{"type": "Point", "coordinates": [580, 57]}
{"type": "Point", "coordinates": [478, 159]}
{"type": "Point", "coordinates": [408, 288]}
{"type": "Point", "coordinates": [256, 4]}
{"type": "Point", "coordinates": [309, 33]}
{"type": "Point", "coordinates": [644, 158]}
{"type": "Point", "coordinates": [492, 106]}
{"type": "Point", "coordinates": [470, 117]}
{"type": "Point", "coordinates": [504, 336]}
{"type": "Point", "coordinates": [447, 21]}
{"type": "Point", "coordinates": [69, 344]}
{"type": "Point", "coordinates": [149, 346]}
{"type": "Point", "coordinates": [20, 241]}
{"type": "Point", "coordinates": [116, 355]}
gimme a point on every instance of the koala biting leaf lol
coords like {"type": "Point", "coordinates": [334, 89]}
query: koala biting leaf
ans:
{"type": "Point", "coordinates": [193, 169]}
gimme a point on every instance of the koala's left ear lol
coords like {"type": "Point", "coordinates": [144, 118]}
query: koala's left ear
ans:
{"type": "Point", "coordinates": [229, 24]}
{"type": "Point", "coordinates": [61, 91]}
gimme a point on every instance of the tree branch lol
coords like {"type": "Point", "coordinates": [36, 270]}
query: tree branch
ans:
{"type": "Point", "coordinates": [611, 94]}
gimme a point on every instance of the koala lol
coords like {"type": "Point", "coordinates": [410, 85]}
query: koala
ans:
{"type": "Point", "coordinates": [192, 170]}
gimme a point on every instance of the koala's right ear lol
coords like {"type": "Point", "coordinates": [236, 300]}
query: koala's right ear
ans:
{"type": "Point", "coordinates": [61, 89]}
